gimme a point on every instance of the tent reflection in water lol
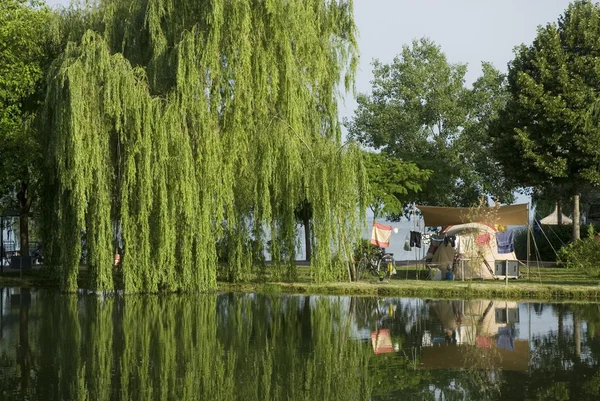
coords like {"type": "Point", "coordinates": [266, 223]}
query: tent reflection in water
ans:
{"type": "Point", "coordinates": [473, 251]}
{"type": "Point", "coordinates": [482, 337]}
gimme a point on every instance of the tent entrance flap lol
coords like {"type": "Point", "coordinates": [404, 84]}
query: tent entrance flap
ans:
{"type": "Point", "coordinates": [511, 215]}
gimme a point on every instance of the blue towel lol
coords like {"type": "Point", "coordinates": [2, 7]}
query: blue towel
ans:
{"type": "Point", "coordinates": [504, 240]}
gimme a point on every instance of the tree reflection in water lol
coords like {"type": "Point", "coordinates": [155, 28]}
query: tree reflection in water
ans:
{"type": "Point", "coordinates": [256, 347]}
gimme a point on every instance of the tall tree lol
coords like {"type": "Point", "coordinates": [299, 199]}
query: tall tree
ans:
{"type": "Point", "coordinates": [392, 184]}
{"type": "Point", "coordinates": [542, 139]}
{"type": "Point", "coordinates": [420, 111]}
{"type": "Point", "coordinates": [484, 100]}
{"type": "Point", "coordinates": [25, 54]}
{"type": "Point", "coordinates": [175, 116]}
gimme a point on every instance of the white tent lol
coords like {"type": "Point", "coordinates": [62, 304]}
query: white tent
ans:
{"type": "Point", "coordinates": [474, 253]}
{"type": "Point", "coordinates": [552, 219]}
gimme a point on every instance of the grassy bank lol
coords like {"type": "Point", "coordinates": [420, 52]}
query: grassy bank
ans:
{"type": "Point", "coordinates": [546, 284]}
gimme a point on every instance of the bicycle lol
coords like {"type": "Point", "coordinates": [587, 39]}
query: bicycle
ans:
{"type": "Point", "coordinates": [381, 262]}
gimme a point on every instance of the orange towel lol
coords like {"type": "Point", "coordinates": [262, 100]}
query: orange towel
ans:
{"type": "Point", "coordinates": [483, 239]}
{"type": "Point", "coordinates": [380, 235]}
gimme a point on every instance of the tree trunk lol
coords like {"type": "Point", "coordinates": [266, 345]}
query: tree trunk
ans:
{"type": "Point", "coordinates": [24, 232]}
{"type": "Point", "coordinates": [306, 222]}
{"type": "Point", "coordinates": [24, 357]}
{"type": "Point", "coordinates": [25, 204]}
{"type": "Point", "coordinates": [561, 326]}
{"type": "Point", "coordinates": [577, 334]}
{"type": "Point", "coordinates": [576, 217]}
{"type": "Point", "coordinates": [559, 212]}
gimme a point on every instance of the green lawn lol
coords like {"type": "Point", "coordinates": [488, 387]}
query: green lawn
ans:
{"type": "Point", "coordinates": [544, 283]}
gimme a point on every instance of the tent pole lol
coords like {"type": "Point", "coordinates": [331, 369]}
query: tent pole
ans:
{"type": "Point", "coordinates": [528, 241]}
{"type": "Point", "coordinates": [414, 228]}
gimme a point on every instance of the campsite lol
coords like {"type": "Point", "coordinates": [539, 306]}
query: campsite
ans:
{"type": "Point", "coordinates": [299, 200]}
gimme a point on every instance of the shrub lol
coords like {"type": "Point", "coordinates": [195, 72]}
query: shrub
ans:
{"type": "Point", "coordinates": [364, 246]}
{"type": "Point", "coordinates": [583, 254]}
{"type": "Point", "coordinates": [547, 242]}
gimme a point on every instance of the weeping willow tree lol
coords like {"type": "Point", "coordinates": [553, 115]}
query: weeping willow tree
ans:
{"type": "Point", "coordinates": [187, 121]}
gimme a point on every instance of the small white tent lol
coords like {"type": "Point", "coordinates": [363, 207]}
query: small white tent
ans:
{"type": "Point", "coordinates": [552, 219]}
{"type": "Point", "coordinates": [474, 253]}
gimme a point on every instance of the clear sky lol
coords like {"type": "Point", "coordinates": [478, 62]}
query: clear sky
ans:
{"type": "Point", "coordinates": [469, 31]}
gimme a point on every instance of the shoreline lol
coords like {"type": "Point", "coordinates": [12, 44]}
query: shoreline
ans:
{"type": "Point", "coordinates": [546, 284]}
{"type": "Point", "coordinates": [427, 289]}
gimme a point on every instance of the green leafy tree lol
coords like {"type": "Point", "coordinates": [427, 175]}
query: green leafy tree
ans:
{"type": "Point", "coordinates": [484, 100]}
{"type": "Point", "coordinates": [173, 117]}
{"type": "Point", "coordinates": [541, 138]}
{"type": "Point", "coordinates": [420, 111]}
{"type": "Point", "coordinates": [392, 183]}
{"type": "Point", "coordinates": [26, 29]}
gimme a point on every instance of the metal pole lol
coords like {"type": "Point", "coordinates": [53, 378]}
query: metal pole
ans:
{"type": "Point", "coordinates": [2, 244]}
{"type": "Point", "coordinates": [528, 241]}
{"type": "Point", "coordinates": [1, 312]}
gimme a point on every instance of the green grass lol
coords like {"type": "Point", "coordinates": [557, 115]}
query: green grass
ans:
{"type": "Point", "coordinates": [545, 283]}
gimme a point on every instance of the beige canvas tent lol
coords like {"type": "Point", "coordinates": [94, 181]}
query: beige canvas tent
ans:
{"type": "Point", "coordinates": [473, 255]}
{"type": "Point", "coordinates": [511, 215]}
{"type": "Point", "coordinates": [479, 344]}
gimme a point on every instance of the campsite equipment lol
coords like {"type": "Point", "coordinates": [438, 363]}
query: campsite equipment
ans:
{"type": "Point", "coordinates": [479, 328]}
{"type": "Point", "coordinates": [383, 264]}
{"type": "Point", "coordinates": [378, 265]}
{"type": "Point", "coordinates": [470, 259]}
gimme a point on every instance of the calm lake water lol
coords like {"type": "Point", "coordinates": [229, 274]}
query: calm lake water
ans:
{"type": "Point", "coordinates": [257, 347]}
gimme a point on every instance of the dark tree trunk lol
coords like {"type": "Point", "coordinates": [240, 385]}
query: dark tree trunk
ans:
{"type": "Point", "coordinates": [559, 212]}
{"type": "Point", "coordinates": [25, 206]}
{"type": "Point", "coordinates": [24, 233]}
{"type": "Point", "coordinates": [24, 357]}
{"type": "Point", "coordinates": [577, 334]}
{"type": "Point", "coordinates": [576, 217]}
{"type": "Point", "coordinates": [561, 326]}
{"type": "Point", "coordinates": [307, 242]}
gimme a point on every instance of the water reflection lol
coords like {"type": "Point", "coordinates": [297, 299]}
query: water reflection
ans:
{"type": "Point", "coordinates": [254, 347]}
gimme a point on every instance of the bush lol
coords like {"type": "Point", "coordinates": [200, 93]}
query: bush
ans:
{"type": "Point", "coordinates": [583, 254]}
{"type": "Point", "coordinates": [548, 243]}
{"type": "Point", "coordinates": [363, 247]}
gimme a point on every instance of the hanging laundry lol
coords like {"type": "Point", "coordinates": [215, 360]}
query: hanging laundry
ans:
{"type": "Point", "coordinates": [505, 242]}
{"type": "Point", "coordinates": [483, 342]}
{"type": "Point", "coordinates": [506, 339]}
{"type": "Point", "coordinates": [483, 239]}
{"type": "Point", "coordinates": [415, 239]}
{"type": "Point", "coordinates": [380, 235]}
{"type": "Point", "coordinates": [433, 246]}
{"type": "Point", "coordinates": [426, 239]}
{"type": "Point", "coordinates": [450, 239]}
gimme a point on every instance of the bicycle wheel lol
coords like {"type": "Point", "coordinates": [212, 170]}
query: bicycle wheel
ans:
{"type": "Point", "coordinates": [361, 268]}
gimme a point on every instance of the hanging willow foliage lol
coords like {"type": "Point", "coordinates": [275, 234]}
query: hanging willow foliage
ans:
{"type": "Point", "coordinates": [188, 121]}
